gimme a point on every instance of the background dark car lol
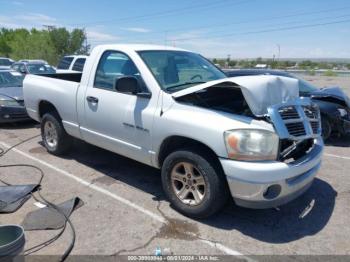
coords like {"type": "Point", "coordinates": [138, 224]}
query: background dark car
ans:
{"type": "Point", "coordinates": [33, 67]}
{"type": "Point", "coordinates": [5, 63]}
{"type": "Point", "coordinates": [334, 104]}
{"type": "Point", "coordinates": [11, 97]}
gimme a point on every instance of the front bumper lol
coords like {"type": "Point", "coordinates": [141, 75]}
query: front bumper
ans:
{"type": "Point", "coordinates": [271, 184]}
{"type": "Point", "coordinates": [13, 114]}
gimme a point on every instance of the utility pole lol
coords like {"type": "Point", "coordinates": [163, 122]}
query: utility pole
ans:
{"type": "Point", "coordinates": [279, 51]}
{"type": "Point", "coordinates": [228, 61]}
{"type": "Point", "coordinates": [166, 37]}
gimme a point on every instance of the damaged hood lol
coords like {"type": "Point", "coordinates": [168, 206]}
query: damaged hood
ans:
{"type": "Point", "coordinates": [260, 92]}
{"type": "Point", "coordinates": [334, 92]}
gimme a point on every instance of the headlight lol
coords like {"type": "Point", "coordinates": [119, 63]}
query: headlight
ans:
{"type": "Point", "coordinates": [251, 144]}
{"type": "Point", "coordinates": [342, 112]}
{"type": "Point", "coordinates": [8, 103]}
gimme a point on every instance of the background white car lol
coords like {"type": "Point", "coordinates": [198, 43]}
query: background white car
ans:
{"type": "Point", "coordinates": [71, 63]}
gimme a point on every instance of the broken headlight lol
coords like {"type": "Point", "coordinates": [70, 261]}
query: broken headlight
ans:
{"type": "Point", "coordinates": [251, 144]}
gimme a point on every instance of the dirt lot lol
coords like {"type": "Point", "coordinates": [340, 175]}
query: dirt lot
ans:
{"type": "Point", "coordinates": [323, 81]}
{"type": "Point", "coordinates": [125, 211]}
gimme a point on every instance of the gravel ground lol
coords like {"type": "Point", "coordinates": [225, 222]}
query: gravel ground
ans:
{"type": "Point", "coordinates": [125, 211]}
{"type": "Point", "coordinates": [323, 81]}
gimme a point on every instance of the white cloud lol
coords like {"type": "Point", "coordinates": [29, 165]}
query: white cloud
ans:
{"type": "Point", "coordinates": [97, 37]}
{"type": "Point", "coordinates": [28, 21]}
{"type": "Point", "coordinates": [137, 29]}
{"type": "Point", "coordinates": [36, 18]}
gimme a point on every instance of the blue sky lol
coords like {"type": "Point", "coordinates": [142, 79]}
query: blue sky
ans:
{"type": "Point", "coordinates": [240, 28]}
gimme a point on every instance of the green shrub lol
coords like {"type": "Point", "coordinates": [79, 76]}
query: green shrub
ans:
{"type": "Point", "coordinates": [330, 73]}
{"type": "Point", "coordinates": [311, 72]}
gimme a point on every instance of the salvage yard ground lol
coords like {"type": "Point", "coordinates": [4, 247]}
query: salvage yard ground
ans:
{"type": "Point", "coordinates": [125, 211]}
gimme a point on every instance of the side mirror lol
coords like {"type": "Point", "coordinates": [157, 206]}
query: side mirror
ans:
{"type": "Point", "coordinates": [22, 71]}
{"type": "Point", "coordinates": [127, 84]}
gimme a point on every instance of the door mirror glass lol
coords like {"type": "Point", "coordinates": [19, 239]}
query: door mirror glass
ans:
{"type": "Point", "coordinates": [127, 84]}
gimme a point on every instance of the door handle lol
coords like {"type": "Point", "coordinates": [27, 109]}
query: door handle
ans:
{"type": "Point", "coordinates": [92, 99]}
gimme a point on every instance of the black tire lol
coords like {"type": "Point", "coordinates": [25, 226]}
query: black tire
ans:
{"type": "Point", "coordinates": [326, 128]}
{"type": "Point", "coordinates": [217, 192]}
{"type": "Point", "coordinates": [64, 141]}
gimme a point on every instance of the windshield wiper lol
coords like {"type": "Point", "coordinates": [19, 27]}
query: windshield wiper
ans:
{"type": "Point", "coordinates": [184, 84]}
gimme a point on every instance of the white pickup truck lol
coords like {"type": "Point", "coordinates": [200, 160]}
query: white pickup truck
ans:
{"type": "Point", "coordinates": [211, 136]}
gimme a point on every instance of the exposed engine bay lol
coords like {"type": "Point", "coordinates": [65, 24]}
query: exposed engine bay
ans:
{"type": "Point", "coordinates": [229, 97]}
{"type": "Point", "coordinates": [223, 97]}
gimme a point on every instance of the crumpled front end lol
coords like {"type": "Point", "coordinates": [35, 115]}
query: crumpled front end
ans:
{"type": "Point", "coordinates": [266, 183]}
{"type": "Point", "coordinates": [272, 183]}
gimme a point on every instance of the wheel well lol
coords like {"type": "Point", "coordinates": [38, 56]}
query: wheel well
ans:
{"type": "Point", "coordinates": [46, 107]}
{"type": "Point", "coordinates": [174, 143]}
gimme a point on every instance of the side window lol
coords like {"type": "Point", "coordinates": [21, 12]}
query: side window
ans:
{"type": "Point", "coordinates": [79, 64]}
{"type": "Point", "coordinates": [112, 66]}
{"type": "Point", "coordinates": [65, 63]}
{"type": "Point", "coordinates": [15, 67]}
{"type": "Point", "coordinates": [22, 68]}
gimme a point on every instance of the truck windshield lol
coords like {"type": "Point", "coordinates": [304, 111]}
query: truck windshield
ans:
{"type": "Point", "coordinates": [177, 70]}
{"type": "Point", "coordinates": [40, 69]}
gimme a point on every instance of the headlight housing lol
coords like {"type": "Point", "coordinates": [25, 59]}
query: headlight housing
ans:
{"type": "Point", "coordinates": [251, 144]}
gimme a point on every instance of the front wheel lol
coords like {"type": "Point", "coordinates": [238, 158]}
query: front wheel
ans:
{"type": "Point", "coordinates": [55, 138]}
{"type": "Point", "coordinates": [326, 128]}
{"type": "Point", "coordinates": [194, 184]}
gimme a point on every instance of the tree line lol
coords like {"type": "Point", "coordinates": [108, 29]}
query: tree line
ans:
{"type": "Point", "coordinates": [282, 64]}
{"type": "Point", "coordinates": [49, 45]}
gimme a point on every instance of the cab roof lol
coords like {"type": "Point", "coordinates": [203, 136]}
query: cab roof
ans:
{"type": "Point", "coordinates": [140, 47]}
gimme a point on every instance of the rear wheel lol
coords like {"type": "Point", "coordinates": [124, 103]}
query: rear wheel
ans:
{"type": "Point", "coordinates": [55, 138]}
{"type": "Point", "coordinates": [194, 183]}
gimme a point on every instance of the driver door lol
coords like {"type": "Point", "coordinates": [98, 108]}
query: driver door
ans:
{"type": "Point", "coordinates": [114, 120]}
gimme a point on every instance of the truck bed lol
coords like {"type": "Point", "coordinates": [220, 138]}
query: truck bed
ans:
{"type": "Point", "coordinates": [74, 77]}
{"type": "Point", "coordinates": [60, 90]}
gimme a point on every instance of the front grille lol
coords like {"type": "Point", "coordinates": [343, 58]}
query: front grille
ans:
{"type": "Point", "coordinates": [311, 112]}
{"type": "Point", "coordinates": [291, 150]}
{"type": "Point", "coordinates": [296, 129]}
{"type": "Point", "coordinates": [315, 127]}
{"type": "Point", "coordinates": [288, 113]}
{"type": "Point", "coordinates": [296, 121]}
